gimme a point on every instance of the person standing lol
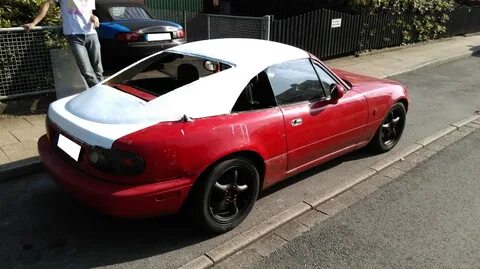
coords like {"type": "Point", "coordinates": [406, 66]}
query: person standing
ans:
{"type": "Point", "coordinates": [79, 25]}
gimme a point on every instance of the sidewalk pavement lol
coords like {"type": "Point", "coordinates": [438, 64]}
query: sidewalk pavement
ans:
{"type": "Point", "coordinates": [19, 134]}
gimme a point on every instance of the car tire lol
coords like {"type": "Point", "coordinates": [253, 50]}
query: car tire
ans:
{"type": "Point", "coordinates": [390, 130]}
{"type": "Point", "coordinates": [225, 196]}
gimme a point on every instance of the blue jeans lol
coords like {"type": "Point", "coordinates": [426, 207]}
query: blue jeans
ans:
{"type": "Point", "coordinates": [86, 49]}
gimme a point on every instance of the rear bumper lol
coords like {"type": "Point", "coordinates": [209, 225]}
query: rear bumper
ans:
{"type": "Point", "coordinates": [128, 201]}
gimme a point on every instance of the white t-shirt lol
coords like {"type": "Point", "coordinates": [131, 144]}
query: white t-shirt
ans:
{"type": "Point", "coordinates": [76, 16]}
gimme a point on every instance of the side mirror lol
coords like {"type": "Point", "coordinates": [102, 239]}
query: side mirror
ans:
{"type": "Point", "coordinates": [337, 91]}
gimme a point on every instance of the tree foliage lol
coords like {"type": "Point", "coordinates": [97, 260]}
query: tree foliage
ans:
{"type": "Point", "coordinates": [421, 20]}
{"type": "Point", "coordinates": [18, 12]}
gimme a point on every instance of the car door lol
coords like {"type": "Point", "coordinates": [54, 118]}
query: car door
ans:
{"type": "Point", "coordinates": [317, 127]}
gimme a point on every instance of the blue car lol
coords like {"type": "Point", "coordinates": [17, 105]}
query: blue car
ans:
{"type": "Point", "coordinates": [128, 32]}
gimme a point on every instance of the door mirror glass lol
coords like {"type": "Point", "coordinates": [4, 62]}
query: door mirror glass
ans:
{"type": "Point", "coordinates": [337, 91]}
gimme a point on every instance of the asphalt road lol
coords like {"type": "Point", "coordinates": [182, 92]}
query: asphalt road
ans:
{"type": "Point", "coordinates": [429, 218]}
{"type": "Point", "coordinates": [41, 227]}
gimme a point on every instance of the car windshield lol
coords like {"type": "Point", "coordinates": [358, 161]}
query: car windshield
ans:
{"type": "Point", "coordinates": [128, 13]}
{"type": "Point", "coordinates": [163, 73]}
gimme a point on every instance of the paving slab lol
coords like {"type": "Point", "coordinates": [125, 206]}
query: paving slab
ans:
{"type": "Point", "coordinates": [20, 151]}
{"type": "Point", "coordinates": [243, 259]}
{"type": "Point", "coordinates": [420, 156]}
{"type": "Point", "coordinates": [467, 129]}
{"type": "Point", "coordinates": [312, 218]}
{"type": "Point", "coordinates": [331, 207]}
{"type": "Point", "coordinates": [393, 172]}
{"type": "Point", "coordinates": [25, 134]}
{"type": "Point", "coordinates": [291, 230]}
{"type": "Point", "coordinates": [199, 263]}
{"type": "Point", "coordinates": [36, 120]}
{"type": "Point", "coordinates": [6, 138]}
{"type": "Point", "coordinates": [3, 158]}
{"type": "Point", "coordinates": [404, 165]}
{"type": "Point", "coordinates": [376, 181]}
{"type": "Point", "coordinates": [267, 245]}
{"type": "Point", "coordinates": [9, 122]}
{"type": "Point", "coordinates": [365, 188]}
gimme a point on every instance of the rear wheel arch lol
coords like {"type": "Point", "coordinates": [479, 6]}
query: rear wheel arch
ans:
{"type": "Point", "coordinates": [250, 155]}
{"type": "Point", "coordinates": [197, 206]}
{"type": "Point", "coordinates": [404, 101]}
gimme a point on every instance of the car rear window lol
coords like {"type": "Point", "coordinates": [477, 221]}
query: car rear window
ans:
{"type": "Point", "coordinates": [163, 73]}
{"type": "Point", "coordinates": [128, 13]}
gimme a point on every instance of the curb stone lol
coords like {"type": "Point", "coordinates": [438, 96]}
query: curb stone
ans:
{"type": "Point", "coordinates": [362, 185]}
{"type": "Point", "coordinates": [20, 168]}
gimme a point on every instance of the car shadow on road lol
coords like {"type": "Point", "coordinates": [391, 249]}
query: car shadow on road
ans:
{"type": "Point", "coordinates": [42, 226]}
{"type": "Point", "coordinates": [475, 51]}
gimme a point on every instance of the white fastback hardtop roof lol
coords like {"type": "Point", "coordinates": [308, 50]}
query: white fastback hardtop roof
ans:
{"type": "Point", "coordinates": [102, 114]}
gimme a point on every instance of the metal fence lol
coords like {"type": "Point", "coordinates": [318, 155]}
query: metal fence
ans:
{"type": "Point", "coordinates": [176, 5]}
{"type": "Point", "coordinates": [464, 21]}
{"type": "Point", "coordinates": [25, 64]}
{"type": "Point", "coordinates": [314, 32]}
{"type": "Point", "coordinates": [328, 33]}
{"type": "Point", "coordinates": [200, 26]}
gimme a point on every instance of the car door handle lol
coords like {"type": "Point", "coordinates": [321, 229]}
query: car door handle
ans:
{"type": "Point", "coordinates": [297, 122]}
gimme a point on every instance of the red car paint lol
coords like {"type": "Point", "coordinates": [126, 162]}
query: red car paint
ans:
{"type": "Point", "coordinates": [114, 199]}
{"type": "Point", "coordinates": [178, 153]}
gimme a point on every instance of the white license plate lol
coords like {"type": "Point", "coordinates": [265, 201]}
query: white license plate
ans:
{"type": "Point", "coordinates": [158, 37]}
{"type": "Point", "coordinates": [69, 147]}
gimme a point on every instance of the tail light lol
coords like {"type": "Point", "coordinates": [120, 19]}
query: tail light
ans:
{"type": "Point", "coordinates": [116, 162]}
{"type": "Point", "coordinates": [180, 33]}
{"type": "Point", "coordinates": [128, 37]}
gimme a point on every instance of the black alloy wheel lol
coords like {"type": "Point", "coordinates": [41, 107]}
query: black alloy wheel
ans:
{"type": "Point", "coordinates": [391, 129]}
{"type": "Point", "coordinates": [227, 195]}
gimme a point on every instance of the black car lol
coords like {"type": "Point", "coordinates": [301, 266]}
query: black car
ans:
{"type": "Point", "coordinates": [128, 32]}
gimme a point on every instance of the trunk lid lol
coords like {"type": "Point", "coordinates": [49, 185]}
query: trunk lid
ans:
{"type": "Point", "coordinates": [149, 26]}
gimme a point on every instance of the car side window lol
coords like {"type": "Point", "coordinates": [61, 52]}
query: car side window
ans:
{"type": "Point", "coordinates": [295, 81]}
{"type": "Point", "coordinates": [257, 94]}
{"type": "Point", "coordinates": [325, 78]}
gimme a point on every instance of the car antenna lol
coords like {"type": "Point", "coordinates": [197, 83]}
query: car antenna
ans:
{"type": "Point", "coordinates": [186, 118]}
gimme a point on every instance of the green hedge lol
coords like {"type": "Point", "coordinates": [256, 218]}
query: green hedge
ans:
{"type": "Point", "coordinates": [15, 13]}
{"type": "Point", "coordinates": [423, 19]}
{"type": "Point", "coordinates": [18, 12]}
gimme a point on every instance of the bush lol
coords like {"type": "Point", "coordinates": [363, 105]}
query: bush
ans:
{"type": "Point", "coordinates": [15, 13]}
{"type": "Point", "coordinates": [421, 19]}
{"type": "Point", "coordinates": [18, 12]}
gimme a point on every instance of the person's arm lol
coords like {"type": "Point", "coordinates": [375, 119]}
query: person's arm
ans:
{"type": "Point", "coordinates": [41, 14]}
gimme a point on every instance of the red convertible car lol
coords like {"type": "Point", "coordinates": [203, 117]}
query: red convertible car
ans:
{"type": "Point", "coordinates": [206, 125]}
